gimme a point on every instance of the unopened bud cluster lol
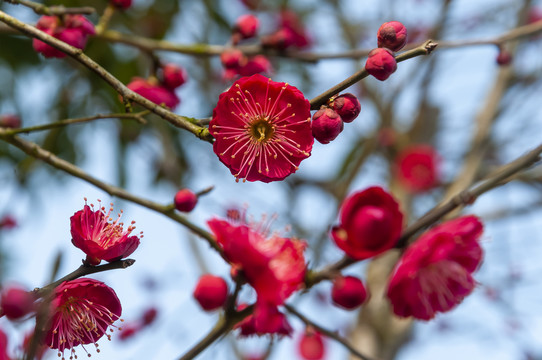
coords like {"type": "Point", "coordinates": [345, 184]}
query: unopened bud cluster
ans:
{"type": "Point", "coordinates": [381, 63]}
{"type": "Point", "coordinates": [328, 122]}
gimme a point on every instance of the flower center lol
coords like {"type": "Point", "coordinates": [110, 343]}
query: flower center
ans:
{"type": "Point", "coordinates": [261, 130]}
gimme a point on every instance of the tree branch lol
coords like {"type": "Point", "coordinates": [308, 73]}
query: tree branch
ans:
{"type": "Point", "coordinates": [53, 10]}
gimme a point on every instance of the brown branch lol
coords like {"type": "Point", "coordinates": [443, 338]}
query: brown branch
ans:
{"type": "Point", "coordinates": [83, 270]}
{"type": "Point", "coordinates": [330, 334]}
{"type": "Point", "coordinates": [53, 10]}
{"type": "Point", "coordinates": [425, 49]}
{"type": "Point", "coordinates": [37, 152]}
{"type": "Point", "coordinates": [176, 120]}
{"type": "Point", "coordinates": [138, 117]}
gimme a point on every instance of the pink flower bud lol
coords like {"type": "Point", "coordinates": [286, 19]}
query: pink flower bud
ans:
{"type": "Point", "coordinates": [258, 64]}
{"type": "Point", "coordinates": [381, 63]}
{"type": "Point", "coordinates": [392, 35]}
{"type": "Point", "coordinates": [233, 59]}
{"type": "Point", "coordinates": [417, 168]}
{"type": "Point", "coordinates": [504, 58]}
{"type": "Point", "coordinates": [173, 76]}
{"type": "Point", "coordinates": [149, 316]}
{"type": "Point", "coordinates": [10, 121]}
{"type": "Point", "coordinates": [347, 106]}
{"type": "Point", "coordinates": [121, 4]}
{"type": "Point", "coordinates": [311, 345]}
{"type": "Point", "coordinates": [185, 200]}
{"type": "Point", "coordinates": [16, 302]}
{"type": "Point", "coordinates": [211, 292]}
{"type": "Point", "coordinates": [348, 292]}
{"type": "Point", "coordinates": [154, 92]}
{"type": "Point", "coordinates": [247, 26]}
{"type": "Point", "coordinates": [326, 125]}
{"type": "Point", "coordinates": [128, 331]}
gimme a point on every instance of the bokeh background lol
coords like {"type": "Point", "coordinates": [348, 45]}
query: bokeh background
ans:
{"type": "Point", "coordinates": [436, 100]}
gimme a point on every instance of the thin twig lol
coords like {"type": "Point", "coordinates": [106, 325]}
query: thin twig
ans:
{"type": "Point", "coordinates": [330, 334]}
{"type": "Point", "coordinates": [53, 10]}
{"type": "Point", "coordinates": [425, 49]}
{"type": "Point", "coordinates": [138, 117]}
{"type": "Point", "coordinates": [177, 120]}
{"type": "Point", "coordinates": [38, 152]}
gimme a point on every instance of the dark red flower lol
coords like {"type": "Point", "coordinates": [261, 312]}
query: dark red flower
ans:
{"type": "Point", "coordinates": [347, 106]}
{"type": "Point", "coordinates": [149, 316]}
{"type": "Point", "coordinates": [311, 345]}
{"type": "Point", "coordinates": [16, 302]}
{"type": "Point", "coordinates": [73, 30]}
{"type": "Point", "coordinates": [435, 273]}
{"type": "Point", "coordinates": [326, 125]}
{"type": "Point", "coordinates": [381, 63]}
{"type": "Point", "coordinates": [371, 223]}
{"type": "Point", "coordinates": [262, 129]}
{"type": "Point", "coordinates": [173, 76]}
{"type": "Point", "coordinates": [274, 266]}
{"type": "Point", "coordinates": [99, 238]}
{"type": "Point", "coordinates": [154, 92]}
{"type": "Point", "coordinates": [211, 292]}
{"type": "Point", "coordinates": [185, 200]}
{"type": "Point", "coordinates": [348, 292]}
{"type": "Point", "coordinates": [121, 4]}
{"type": "Point", "coordinates": [82, 311]}
{"type": "Point", "coordinates": [392, 35]}
{"type": "Point", "coordinates": [417, 167]}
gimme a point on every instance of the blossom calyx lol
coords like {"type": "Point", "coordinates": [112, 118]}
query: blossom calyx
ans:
{"type": "Point", "coordinates": [371, 223]}
{"type": "Point", "coordinates": [392, 35]}
{"type": "Point", "coordinates": [381, 63]}
{"type": "Point", "coordinates": [326, 125]}
{"type": "Point", "coordinates": [348, 292]}
{"type": "Point", "coordinates": [347, 106]}
{"type": "Point", "coordinates": [211, 292]}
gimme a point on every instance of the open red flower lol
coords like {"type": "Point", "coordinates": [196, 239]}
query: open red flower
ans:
{"type": "Point", "coordinates": [417, 167]}
{"type": "Point", "coordinates": [72, 29]}
{"type": "Point", "coordinates": [82, 311]}
{"type": "Point", "coordinates": [371, 223]}
{"type": "Point", "coordinates": [99, 238]}
{"type": "Point", "coordinates": [435, 273]}
{"type": "Point", "coordinates": [262, 129]}
{"type": "Point", "coordinates": [153, 91]}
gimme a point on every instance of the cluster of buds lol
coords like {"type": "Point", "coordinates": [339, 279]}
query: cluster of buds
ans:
{"type": "Point", "coordinates": [233, 60]}
{"type": "Point", "coordinates": [392, 37]}
{"type": "Point", "coordinates": [74, 30]}
{"type": "Point", "coordinates": [328, 122]}
{"type": "Point", "coordinates": [161, 90]}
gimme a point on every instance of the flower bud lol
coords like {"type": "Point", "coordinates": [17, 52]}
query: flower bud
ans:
{"type": "Point", "coordinates": [72, 29]}
{"type": "Point", "coordinates": [128, 331]}
{"type": "Point", "coordinates": [504, 58]}
{"type": "Point", "coordinates": [246, 26]}
{"type": "Point", "coordinates": [348, 292]}
{"type": "Point", "coordinates": [185, 200]}
{"type": "Point", "coordinates": [347, 106]}
{"type": "Point", "coordinates": [121, 4]}
{"type": "Point", "coordinates": [381, 63]}
{"type": "Point", "coordinates": [392, 35]}
{"type": "Point", "coordinates": [149, 316]}
{"type": "Point", "coordinates": [258, 64]}
{"type": "Point", "coordinates": [10, 121]}
{"type": "Point", "coordinates": [233, 59]}
{"type": "Point", "coordinates": [326, 125]}
{"type": "Point", "coordinates": [173, 76]}
{"type": "Point", "coordinates": [311, 345]}
{"type": "Point", "coordinates": [211, 292]}
{"type": "Point", "coordinates": [16, 302]}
